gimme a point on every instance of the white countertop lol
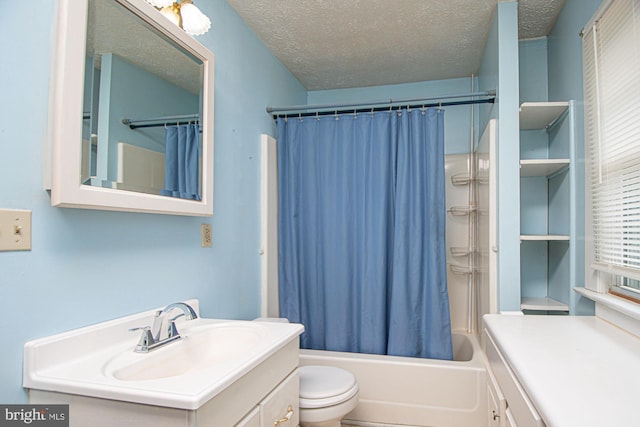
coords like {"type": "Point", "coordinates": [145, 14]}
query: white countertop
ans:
{"type": "Point", "coordinates": [577, 371]}
{"type": "Point", "coordinates": [86, 361]}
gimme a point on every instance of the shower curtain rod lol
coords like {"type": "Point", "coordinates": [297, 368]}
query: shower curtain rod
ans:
{"type": "Point", "coordinates": [161, 121]}
{"type": "Point", "coordinates": [327, 109]}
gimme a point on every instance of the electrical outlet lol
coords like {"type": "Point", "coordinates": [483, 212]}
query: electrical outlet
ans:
{"type": "Point", "coordinates": [205, 234]}
{"type": "Point", "coordinates": [15, 230]}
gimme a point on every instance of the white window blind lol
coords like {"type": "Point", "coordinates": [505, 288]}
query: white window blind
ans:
{"type": "Point", "coordinates": [611, 55]}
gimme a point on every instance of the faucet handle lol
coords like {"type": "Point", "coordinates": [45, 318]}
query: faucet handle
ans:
{"type": "Point", "coordinates": [146, 340]}
{"type": "Point", "coordinates": [172, 331]}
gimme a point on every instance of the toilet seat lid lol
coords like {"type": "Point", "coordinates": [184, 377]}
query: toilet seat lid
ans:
{"type": "Point", "coordinates": [325, 386]}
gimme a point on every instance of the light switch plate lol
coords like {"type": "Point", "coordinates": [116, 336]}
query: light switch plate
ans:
{"type": "Point", "coordinates": [15, 230]}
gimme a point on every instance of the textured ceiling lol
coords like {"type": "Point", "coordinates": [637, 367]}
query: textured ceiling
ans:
{"type": "Point", "coordinates": [330, 44]}
{"type": "Point", "coordinates": [113, 29]}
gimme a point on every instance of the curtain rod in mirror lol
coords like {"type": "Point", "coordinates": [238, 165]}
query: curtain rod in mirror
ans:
{"type": "Point", "coordinates": [161, 121]}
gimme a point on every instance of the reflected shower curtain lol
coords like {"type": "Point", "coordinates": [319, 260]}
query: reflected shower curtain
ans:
{"type": "Point", "coordinates": [182, 152]}
{"type": "Point", "coordinates": [362, 232]}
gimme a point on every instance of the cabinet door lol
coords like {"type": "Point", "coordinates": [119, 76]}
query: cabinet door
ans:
{"type": "Point", "coordinates": [280, 407]}
{"type": "Point", "coordinates": [251, 420]}
{"type": "Point", "coordinates": [509, 421]}
{"type": "Point", "coordinates": [497, 402]}
{"type": "Point", "coordinates": [519, 404]}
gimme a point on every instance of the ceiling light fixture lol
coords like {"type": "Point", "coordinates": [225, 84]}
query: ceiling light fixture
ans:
{"type": "Point", "coordinates": [184, 14]}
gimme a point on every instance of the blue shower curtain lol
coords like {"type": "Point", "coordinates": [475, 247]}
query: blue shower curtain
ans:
{"type": "Point", "coordinates": [182, 152]}
{"type": "Point", "coordinates": [362, 232]}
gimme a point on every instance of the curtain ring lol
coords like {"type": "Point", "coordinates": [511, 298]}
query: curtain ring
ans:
{"type": "Point", "coordinates": [300, 117]}
{"type": "Point", "coordinates": [355, 114]}
{"type": "Point", "coordinates": [335, 113]}
{"type": "Point", "coordinates": [317, 116]}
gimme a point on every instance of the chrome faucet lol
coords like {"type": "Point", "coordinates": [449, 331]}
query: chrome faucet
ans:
{"type": "Point", "coordinates": [152, 335]}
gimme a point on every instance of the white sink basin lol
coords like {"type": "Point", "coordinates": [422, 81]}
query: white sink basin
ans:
{"type": "Point", "coordinates": [99, 360]}
{"type": "Point", "coordinates": [199, 348]}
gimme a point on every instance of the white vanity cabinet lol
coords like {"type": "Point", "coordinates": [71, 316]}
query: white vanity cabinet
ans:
{"type": "Point", "coordinates": [509, 405]}
{"type": "Point", "coordinates": [559, 371]}
{"type": "Point", "coordinates": [279, 408]}
{"type": "Point", "coordinates": [220, 373]}
{"type": "Point", "coordinates": [496, 401]}
{"type": "Point", "coordinates": [266, 394]}
{"type": "Point", "coordinates": [251, 420]}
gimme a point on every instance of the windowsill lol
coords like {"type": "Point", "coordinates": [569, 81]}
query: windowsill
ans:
{"type": "Point", "coordinates": [619, 304]}
{"type": "Point", "coordinates": [619, 311]}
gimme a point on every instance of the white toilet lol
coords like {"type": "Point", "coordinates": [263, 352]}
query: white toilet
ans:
{"type": "Point", "coordinates": [327, 394]}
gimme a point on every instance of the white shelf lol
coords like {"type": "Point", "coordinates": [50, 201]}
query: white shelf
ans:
{"type": "Point", "coordinates": [539, 237]}
{"type": "Point", "coordinates": [542, 304]}
{"type": "Point", "coordinates": [542, 167]}
{"type": "Point", "coordinates": [540, 115]}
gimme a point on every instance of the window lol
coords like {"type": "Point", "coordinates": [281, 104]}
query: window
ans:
{"type": "Point", "coordinates": [611, 54]}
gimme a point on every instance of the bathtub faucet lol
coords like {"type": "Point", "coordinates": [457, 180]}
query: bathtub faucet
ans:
{"type": "Point", "coordinates": [152, 337]}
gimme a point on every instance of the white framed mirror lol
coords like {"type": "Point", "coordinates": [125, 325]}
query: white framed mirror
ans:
{"type": "Point", "coordinates": [129, 89]}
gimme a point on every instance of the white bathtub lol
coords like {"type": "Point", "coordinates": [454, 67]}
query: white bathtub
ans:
{"type": "Point", "coordinates": [415, 392]}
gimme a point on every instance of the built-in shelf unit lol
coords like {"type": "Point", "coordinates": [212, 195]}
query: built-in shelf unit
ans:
{"type": "Point", "coordinates": [547, 200]}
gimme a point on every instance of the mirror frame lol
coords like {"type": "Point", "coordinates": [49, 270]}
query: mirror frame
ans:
{"type": "Point", "coordinates": [64, 152]}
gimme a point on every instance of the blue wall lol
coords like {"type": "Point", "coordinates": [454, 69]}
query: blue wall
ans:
{"type": "Point", "coordinates": [508, 158]}
{"type": "Point", "coordinates": [565, 82]}
{"type": "Point", "coordinates": [89, 266]}
{"type": "Point", "coordinates": [499, 70]}
{"type": "Point", "coordinates": [128, 91]}
{"type": "Point", "coordinates": [533, 84]}
{"type": "Point", "coordinates": [533, 75]}
{"type": "Point", "coordinates": [457, 118]}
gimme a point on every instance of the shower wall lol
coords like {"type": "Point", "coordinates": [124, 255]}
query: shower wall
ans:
{"type": "Point", "coordinates": [471, 234]}
{"type": "Point", "coordinates": [460, 252]}
{"type": "Point", "coordinates": [486, 242]}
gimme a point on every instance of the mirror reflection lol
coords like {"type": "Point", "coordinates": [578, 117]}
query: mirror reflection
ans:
{"type": "Point", "coordinates": [142, 107]}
